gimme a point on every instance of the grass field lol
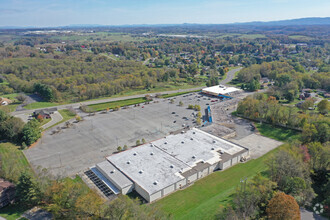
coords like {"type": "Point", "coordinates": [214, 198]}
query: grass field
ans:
{"type": "Point", "coordinates": [245, 36]}
{"type": "Point", "coordinates": [277, 133]}
{"type": "Point", "coordinates": [300, 37]}
{"type": "Point", "coordinates": [12, 212]}
{"type": "Point", "coordinates": [45, 121]}
{"type": "Point", "coordinates": [177, 94]}
{"type": "Point", "coordinates": [66, 114]}
{"type": "Point", "coordinates": [203, 198]}
{"type": "Point", "coordinates": [9, 108]}
{"type": "Point", "coordinates": [120, 103]}
{"type": "Point", "coordinates": [36, 105]}
{"type": "Point", "coordinates": [11, 96]}
{"type": "Point", "coordinates": [100, 36]}
{"type": "Point", "coordinates": [13, 162]}
{"type": "Point", "coordinates": [13, 159]}
{"type": "Point", "coordinates": [159, 88]}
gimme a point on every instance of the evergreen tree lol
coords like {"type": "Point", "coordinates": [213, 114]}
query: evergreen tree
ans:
{"type": "Point", "coordinates": [27, 191]}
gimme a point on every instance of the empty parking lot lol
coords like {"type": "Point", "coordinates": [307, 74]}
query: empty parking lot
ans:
{"type": "Point", "coordinates": [88, 142]}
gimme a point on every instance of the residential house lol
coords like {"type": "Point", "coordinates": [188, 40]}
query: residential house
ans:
{"type": "Point", "coordinates": [4, 101]}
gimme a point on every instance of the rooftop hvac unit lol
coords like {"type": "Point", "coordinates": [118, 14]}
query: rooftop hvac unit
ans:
{"type": "Point", "coordinates": [112, 171]}
{"type": "Point", "coordinates": [128, 162]}
{"type": "Point", "coordinates": [134, 153]}
{"type": "Point", "coordinates": [141, 171]}
{"type": "Point", "coordinates": [172, 166]}
{"type": "Point", "coordinates": [193, 156]}
{"type": "Point", "coordinates": [155, 183]}
{"type": "Point", "coordinates": [151, 153]}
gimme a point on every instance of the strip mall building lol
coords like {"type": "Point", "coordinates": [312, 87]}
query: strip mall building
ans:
{"type": "Point", "coordinates": [161, 167]}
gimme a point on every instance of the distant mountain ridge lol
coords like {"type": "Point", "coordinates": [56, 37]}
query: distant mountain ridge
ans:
{"type": "Point", "coordinates": [298, 21]}
{"type": "Point", "coordinates": [288, 22]}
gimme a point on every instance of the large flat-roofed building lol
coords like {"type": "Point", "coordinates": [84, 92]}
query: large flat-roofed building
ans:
{"type": "Point", "coordinates": [220, 91]}
{"type": "Point", "coordinates": [161, 167]}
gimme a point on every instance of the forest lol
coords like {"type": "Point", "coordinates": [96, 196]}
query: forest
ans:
{"type": "Point", "coordinates": [87, 64]}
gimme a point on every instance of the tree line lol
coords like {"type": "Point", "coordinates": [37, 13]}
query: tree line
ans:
{"type": "Point", "coordinates": [288, 77]}
{"type": "Point", "coordinates": [315, 127]}
{"type": "Point", "coordinates": [13, 129]}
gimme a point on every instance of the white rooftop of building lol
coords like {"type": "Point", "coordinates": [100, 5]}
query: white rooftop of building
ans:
{"type": "Point", "coordinates": [220, 89]}
{"type": "Point", "coordinates": [149, 167]}
{"type": "Point", "coordinates": [196, 146]}
{"type": "Point", "coordinates": [113, 174]}
{"type": "Point", "coordinates": [159, 164]}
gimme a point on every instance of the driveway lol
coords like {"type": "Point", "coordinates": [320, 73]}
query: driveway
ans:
{"type": "Point", "coordinates": [29, 99]}
{"type": "Point", "coordinates": [308, 215]}
{"type": "Point", "coordinates": [230, 76]}
{"type": "Point", "coordinates": [56, 117]}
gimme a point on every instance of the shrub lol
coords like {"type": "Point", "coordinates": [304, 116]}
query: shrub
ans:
{"type": "Point", "coordinates": [137, 142]}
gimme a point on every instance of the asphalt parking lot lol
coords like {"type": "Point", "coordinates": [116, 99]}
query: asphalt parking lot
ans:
{"type": "Point", "coordinates": [88, 142]}
{"type": "Point", "coordinates": [258, 145]}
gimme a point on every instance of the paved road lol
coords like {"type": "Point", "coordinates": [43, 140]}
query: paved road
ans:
{"type": "Point", "coordinates": [230, 76]}
{"type": "Point", "coordinates": [76, 105]}
{"type": "Point", "coordinates": [308, 215]}
{"type": "Point", "coordinates": [29, 99]}
{"type": "Point", "coordinates": [56, 117]}
{"type": "Point", "coordinates": [146, 61]}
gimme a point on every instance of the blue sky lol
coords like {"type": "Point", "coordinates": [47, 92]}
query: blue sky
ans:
{"type": "Point", "coordinates": [43, 13]}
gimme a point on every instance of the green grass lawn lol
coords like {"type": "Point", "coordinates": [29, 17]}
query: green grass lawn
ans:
{"type": "Point", "coordinates": [66, 114]}
{"type": "Point", "coordinates": [277, 133]}
{"type": "Point", "coordinates": [45, 121]}
{"type": "Point", "coordinates": [11, 96]}
{"type": "Point", "coordinates": [300, 37]}
{"type": "Point", "coordinates": [177, 94]}
{"type": "Point", "coordinates": [13, 162]}
{"type": "Point", "coordinates": [159, 88]}
{"type": "Point", "coordinates": [36, 105]}
{"type": "Point", "coordinates": [120, 103]}
{"type": "Point", "coordinates": [13, 159]}
{"type": "Point", "coordinates": [9, 108]}
{"type": "Point", "coordinates": [203, 198]}
{"type": "Point", "coordinates": [12, 212]}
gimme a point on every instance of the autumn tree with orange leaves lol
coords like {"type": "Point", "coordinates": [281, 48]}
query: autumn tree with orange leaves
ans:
{"type": "Point", "coordinates": [282, 207]}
